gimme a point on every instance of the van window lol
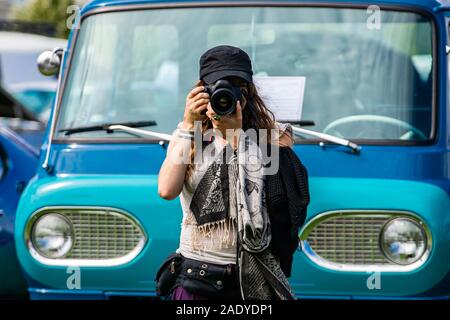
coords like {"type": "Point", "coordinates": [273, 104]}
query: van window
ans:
{"type": "Point", "coordinates": [363, 81]}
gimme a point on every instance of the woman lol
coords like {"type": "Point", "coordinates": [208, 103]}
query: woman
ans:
{"type": "Point", "coordinates": [210, 201]}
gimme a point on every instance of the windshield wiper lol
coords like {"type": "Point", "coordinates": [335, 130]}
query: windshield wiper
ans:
{"type": "Point", "coordinates": [302, 123]}
{"type": "Point", "coordinates": [142, 133]}
{"type": "Point", "coordinates": [107, 127]}
{"type": "Point", "coordinates": [341, 141]}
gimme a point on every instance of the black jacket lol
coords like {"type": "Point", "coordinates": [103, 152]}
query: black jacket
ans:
{"type": "Point", "coordinates": [287, 197]}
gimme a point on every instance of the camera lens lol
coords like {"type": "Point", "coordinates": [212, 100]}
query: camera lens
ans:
{"type": "Point", "coordinates": [223, 102]}
{"type": "Point", "coordinates": [224, 97]}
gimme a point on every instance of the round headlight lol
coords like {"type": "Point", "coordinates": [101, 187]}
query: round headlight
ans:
{"type": "Point", "coordinates": [403, 241]}
{"type": "Point", "coordinates": [52, 236]}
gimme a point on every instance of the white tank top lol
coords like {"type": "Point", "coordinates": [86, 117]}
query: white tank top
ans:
{"type": "Point", "coordinates": [216, 244]}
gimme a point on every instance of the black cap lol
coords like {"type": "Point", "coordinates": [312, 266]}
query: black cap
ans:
{"type": "Point", "coordinates": [224, 61]}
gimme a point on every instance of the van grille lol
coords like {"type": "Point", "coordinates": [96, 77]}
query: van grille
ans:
{"type": "Point", "coordinates": [349, 239]}
{"type": "Point", "coordinates": [103, 235]}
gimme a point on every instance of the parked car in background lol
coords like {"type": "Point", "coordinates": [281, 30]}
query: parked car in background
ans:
{"type": "Point", "coordinates": [20, 140]}
{"type": "Point", "coordinates": [18, 73]}
{"type": "Point", "coordinates": [376, 101]}
{"type": "Point", "coordinates": [16, 117]}
{"type": "Point", "coordinates": [36, 96]}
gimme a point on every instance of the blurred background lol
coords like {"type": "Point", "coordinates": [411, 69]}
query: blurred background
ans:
{"type": "Point", "coordinates": [27, 28]}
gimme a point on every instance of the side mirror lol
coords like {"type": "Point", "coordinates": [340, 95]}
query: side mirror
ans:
{"type": "Point", "coordinates": [49, 62]}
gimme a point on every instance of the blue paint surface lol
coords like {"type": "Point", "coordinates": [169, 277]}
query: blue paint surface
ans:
{"type": "Point", "coordinates": [137, 194]}
{"type": "Point", "coordinates": [19, 165]}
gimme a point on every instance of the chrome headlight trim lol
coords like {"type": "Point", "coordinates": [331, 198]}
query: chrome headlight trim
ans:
{"type": "Point", "coordinates": [389, 215]}
{"type": "Point", "coordinates": [33, 230]}
{"type": "Point", "coordinates": [417, 222]}
{"type": "Point", "coordinates": [111, 262]}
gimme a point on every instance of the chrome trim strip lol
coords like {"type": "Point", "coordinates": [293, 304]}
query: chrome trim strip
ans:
{"type": "Point", "coordinates": [84, 262]}
{"type": "Point", "coordinates": [389, 214]}
{"type": "Point", "coordinates": [56, 104]}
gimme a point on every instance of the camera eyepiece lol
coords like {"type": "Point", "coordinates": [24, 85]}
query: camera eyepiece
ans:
{"type": "Point", "coordinates": [223, 96]}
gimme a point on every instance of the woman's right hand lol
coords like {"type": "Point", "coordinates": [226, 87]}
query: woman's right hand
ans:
{"type": "Point", "coordinates": [196, 104]}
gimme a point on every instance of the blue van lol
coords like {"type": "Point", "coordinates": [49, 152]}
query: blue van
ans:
{"type": "Point", "coordinates": [372, 131]}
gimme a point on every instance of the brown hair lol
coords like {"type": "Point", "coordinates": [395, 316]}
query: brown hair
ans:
{"type": "Point", "coordinates": [255, 115]}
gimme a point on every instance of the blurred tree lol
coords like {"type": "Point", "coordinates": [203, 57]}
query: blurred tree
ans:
{"type": "Point", "coordinates": [50, 11]}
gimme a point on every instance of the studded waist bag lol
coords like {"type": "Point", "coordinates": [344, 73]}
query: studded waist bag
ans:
{"type": "Point", "coordinates": [202, 278]}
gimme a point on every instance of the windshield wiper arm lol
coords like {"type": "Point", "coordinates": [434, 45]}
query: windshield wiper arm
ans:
{"type": "Point", "coordinates": [142, 133]}
{"type": "Point", "coordinates": [341, 141]}
{"type": "Point", "coordinates": [107, 127]}
{"type": "Point", "coordinates": [301, 123]}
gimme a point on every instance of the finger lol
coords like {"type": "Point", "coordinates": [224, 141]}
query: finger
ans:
{"type": "Point", "coordinates": [201, 109]}
{"type": "Point", "coordinates": [210, 108]}
{"type": "Point", "coordinates": [196, 99]}
{"type": "Point", "coordinates": [194, 91]}
{"type": "Point", "coordinates": [198, 96]}
{"type": "Point", "coordinates": [238, 110]}
{"type": "Point", "coordinates": [199, 104]}
{"type": "Point", "coordinates": [210, 114]}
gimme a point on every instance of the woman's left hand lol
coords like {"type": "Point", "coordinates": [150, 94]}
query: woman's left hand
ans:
{"type": "Point", "coordinates": [229, 122]}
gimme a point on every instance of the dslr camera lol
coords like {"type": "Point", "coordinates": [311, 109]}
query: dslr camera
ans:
{"type": "Point", "coordinates": [223, 96]}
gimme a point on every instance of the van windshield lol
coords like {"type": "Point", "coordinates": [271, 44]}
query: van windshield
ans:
{"type": "Point", "coordinates": [367, 74]}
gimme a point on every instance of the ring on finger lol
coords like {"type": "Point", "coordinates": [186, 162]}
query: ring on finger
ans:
{"type": "Point", "coordinates": [216, 117]}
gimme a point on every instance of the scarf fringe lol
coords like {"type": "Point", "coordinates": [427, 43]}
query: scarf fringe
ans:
{"type": "Point", "coordinates": [218, 234]}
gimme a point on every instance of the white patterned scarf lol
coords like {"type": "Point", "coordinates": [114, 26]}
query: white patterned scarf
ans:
{"type": "Point", "coordinates": [233, 188]}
